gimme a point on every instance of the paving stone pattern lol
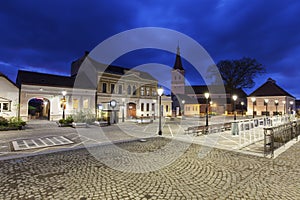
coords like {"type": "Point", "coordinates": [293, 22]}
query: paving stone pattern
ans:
{"type": "Point", "coordinates": [219, 175]}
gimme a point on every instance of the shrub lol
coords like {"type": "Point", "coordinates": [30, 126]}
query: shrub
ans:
{"type": "Point", "coordinates": [69, 119]}
{"type": "Point", "coordinates": [62, 121]}
{"type": "Point", "coordinates": [3, 121]}
{"type": "Point", "coordinates": [86, 117]}
{"type": "Point", "coordinates": [16, 122]}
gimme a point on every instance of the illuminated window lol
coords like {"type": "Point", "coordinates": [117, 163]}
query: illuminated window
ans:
{"type": "Point", "coordinates": [75, 103]}
{"type": "Point", "coordinates": [85, 103]}
{"type": "Point", "coordinates": [142, 91]}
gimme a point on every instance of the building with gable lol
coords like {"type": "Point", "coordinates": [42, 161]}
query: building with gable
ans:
{"type": "Point", "coordinates": [270, 99]}
{"type": "Point", "coordinates": [9, 97]}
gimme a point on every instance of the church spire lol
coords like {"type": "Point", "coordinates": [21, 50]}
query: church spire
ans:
{"type": "Point", "coordinates": [178, 63]}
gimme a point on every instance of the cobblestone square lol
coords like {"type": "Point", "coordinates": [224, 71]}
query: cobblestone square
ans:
{"type": "Point", "coordinates": [219, 174]}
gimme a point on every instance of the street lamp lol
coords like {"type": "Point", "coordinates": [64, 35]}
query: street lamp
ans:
{"type": "Point", "coordinates": [253, 99]}
{"type": "Point", "coordinates": [160, 91]}
{"type": "Point", "coordinates": [234, 97]}
{"type": "Point", "coordinates": [266, 104]}
{"type": "Point", "coordinates": [242, 103]}
{"type": "Point", "coordinates": [206, 109]}
{"type": "Point", "coordinates": [64, 93]}
{"type": "Point", "coordinates": [284, 102]}
{"type": "Point", "coordinates": [276, 105]}
{"type": "Point", "coordinates": [183, 102]}
{"type": "Point", "coordinates": [291, 103]}
{"type": "Point", "coordinates": [123, 109]}
{"type": "Point", "coordinates": [153, 108]}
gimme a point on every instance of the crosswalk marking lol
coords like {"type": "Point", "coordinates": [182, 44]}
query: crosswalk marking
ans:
{"type": "Point", "coordinates": [19, 145]}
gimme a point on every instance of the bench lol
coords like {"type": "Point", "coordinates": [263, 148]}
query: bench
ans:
{"type": "Point", "coordinates": [196, 129]}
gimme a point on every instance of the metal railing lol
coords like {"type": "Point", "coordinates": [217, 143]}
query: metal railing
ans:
{"type": "Point", "coordinates": [277, 136]}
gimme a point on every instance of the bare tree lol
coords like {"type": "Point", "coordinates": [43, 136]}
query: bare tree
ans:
{"type": "Point", "coordinates": [238, 73]}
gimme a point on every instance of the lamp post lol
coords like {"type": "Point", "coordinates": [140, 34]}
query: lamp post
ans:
{"type": "Point", "coordinates": [160, 91]}
{"type": "Point", "coordinates": [242, 103]}
{"type": "Point", "coordinates": [206, 109]}
{"type": "Point", "coordinates": [253, 99]}
{"type": "Point", "coordinates": [154, 103]}
{"type": "Point", "coordinates": [64, 102]}
{"type": "Point", "coordinates": [284, 106]}
{"type": "Point", "coordinates": [276, 106]}
{"type": "Point", "coordinates": [266, 104]}
{"type": "Point", "coordinates": [183, 102]}
{"type": "Point", "coordinates": [123, 109]}
{"type": "Point", "coordinates": [291, 108]}
{"type": "Point", "coordinates": [234, 97]}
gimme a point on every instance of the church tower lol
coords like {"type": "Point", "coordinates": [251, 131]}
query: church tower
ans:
{"type": "Point", "coordinates": [178, 80]}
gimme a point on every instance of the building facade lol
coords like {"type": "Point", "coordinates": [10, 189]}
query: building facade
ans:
{"type": "Point", "coordinates": [270, 99]}
{"type": "Point", "coordinates": [9, 97]}
{"type": "Point", "coordinates": [219, 102]}
{"type": "Point", "coordinates": [47, 96]}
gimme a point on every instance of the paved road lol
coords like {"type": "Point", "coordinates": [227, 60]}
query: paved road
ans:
{"type": "Point", "coordinates": [219, 174]}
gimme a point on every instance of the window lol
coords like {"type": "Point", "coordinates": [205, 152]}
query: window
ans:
{"type": "Point", "coordinates": [5, 107]}
{"type": "Point", "coordinates": [142, 106]}
{"type": "Point", "coordinates": [104, 87]}
{"type": "Point", "coordinates": [153, 92]}
{"type": "Point", "coordinates": [75, 103]}
{"type": "Point", "coordinates": [85, 103]}
{"type": "Point", "coordinates": [129, 90]}
{"type": "Point", "coordinates": [134, 90]}
{"type": "Point", "coordinates": [112, 88]}
{"type": "Point", "coordinates": [142, 91]}
{"type": "Point", "coordinates": [153, 106]}
{"type": "Point", "coordinates": [120, 89]}
{"type": "Point", "coordinates": [147, 91]}
{"type": "Point", "coordinates": [148, 107]}
{"type": "Point", "coordinates": [167, 108]}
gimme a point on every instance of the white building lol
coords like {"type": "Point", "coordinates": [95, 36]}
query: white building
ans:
{"type": "Point", "coordinates": [270, 99]}
{"type": "Point", "coordinates": [9, 98]}
{"type": "Point", "coordinates": [47, 96]}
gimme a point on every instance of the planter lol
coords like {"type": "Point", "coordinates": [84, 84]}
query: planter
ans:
{"type": "Point", "coordinates": [101, 123]}
{"type": "Point", "coordinates": [79, 125]}
{"type": "Point", "coordinates": [11, 128]}
{"type": "Point", "coordinates": [64, 125]}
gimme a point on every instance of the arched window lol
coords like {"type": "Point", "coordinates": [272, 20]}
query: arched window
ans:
{"type": "Point", "coordinates": [129, 90]}
{"type": "Point", "coordinates": [133, 90]}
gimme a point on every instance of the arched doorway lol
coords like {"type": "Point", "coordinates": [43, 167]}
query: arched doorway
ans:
{"type": "Point", "coordinates": [131, 110]}
{"type": "Point", "coordinates": [39, 108]}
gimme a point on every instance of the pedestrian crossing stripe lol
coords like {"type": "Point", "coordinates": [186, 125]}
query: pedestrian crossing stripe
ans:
{"type": "Point", "coordinates": [49, 141]}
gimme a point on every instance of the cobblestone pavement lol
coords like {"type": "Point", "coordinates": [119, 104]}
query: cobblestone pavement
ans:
{"type": "Point", "coordinates": [218, 175]}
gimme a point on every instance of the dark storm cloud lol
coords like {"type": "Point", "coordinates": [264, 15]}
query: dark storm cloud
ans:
{"type": "Point", "coordinates": [48, 35]}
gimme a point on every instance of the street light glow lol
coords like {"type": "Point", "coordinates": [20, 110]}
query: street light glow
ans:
{"type": "Point", "coordinates": [206, 95]}
{"type": "Point", "coordinates": [160, 91]}
{"type": "Point", "coordinates": [234, 97]}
